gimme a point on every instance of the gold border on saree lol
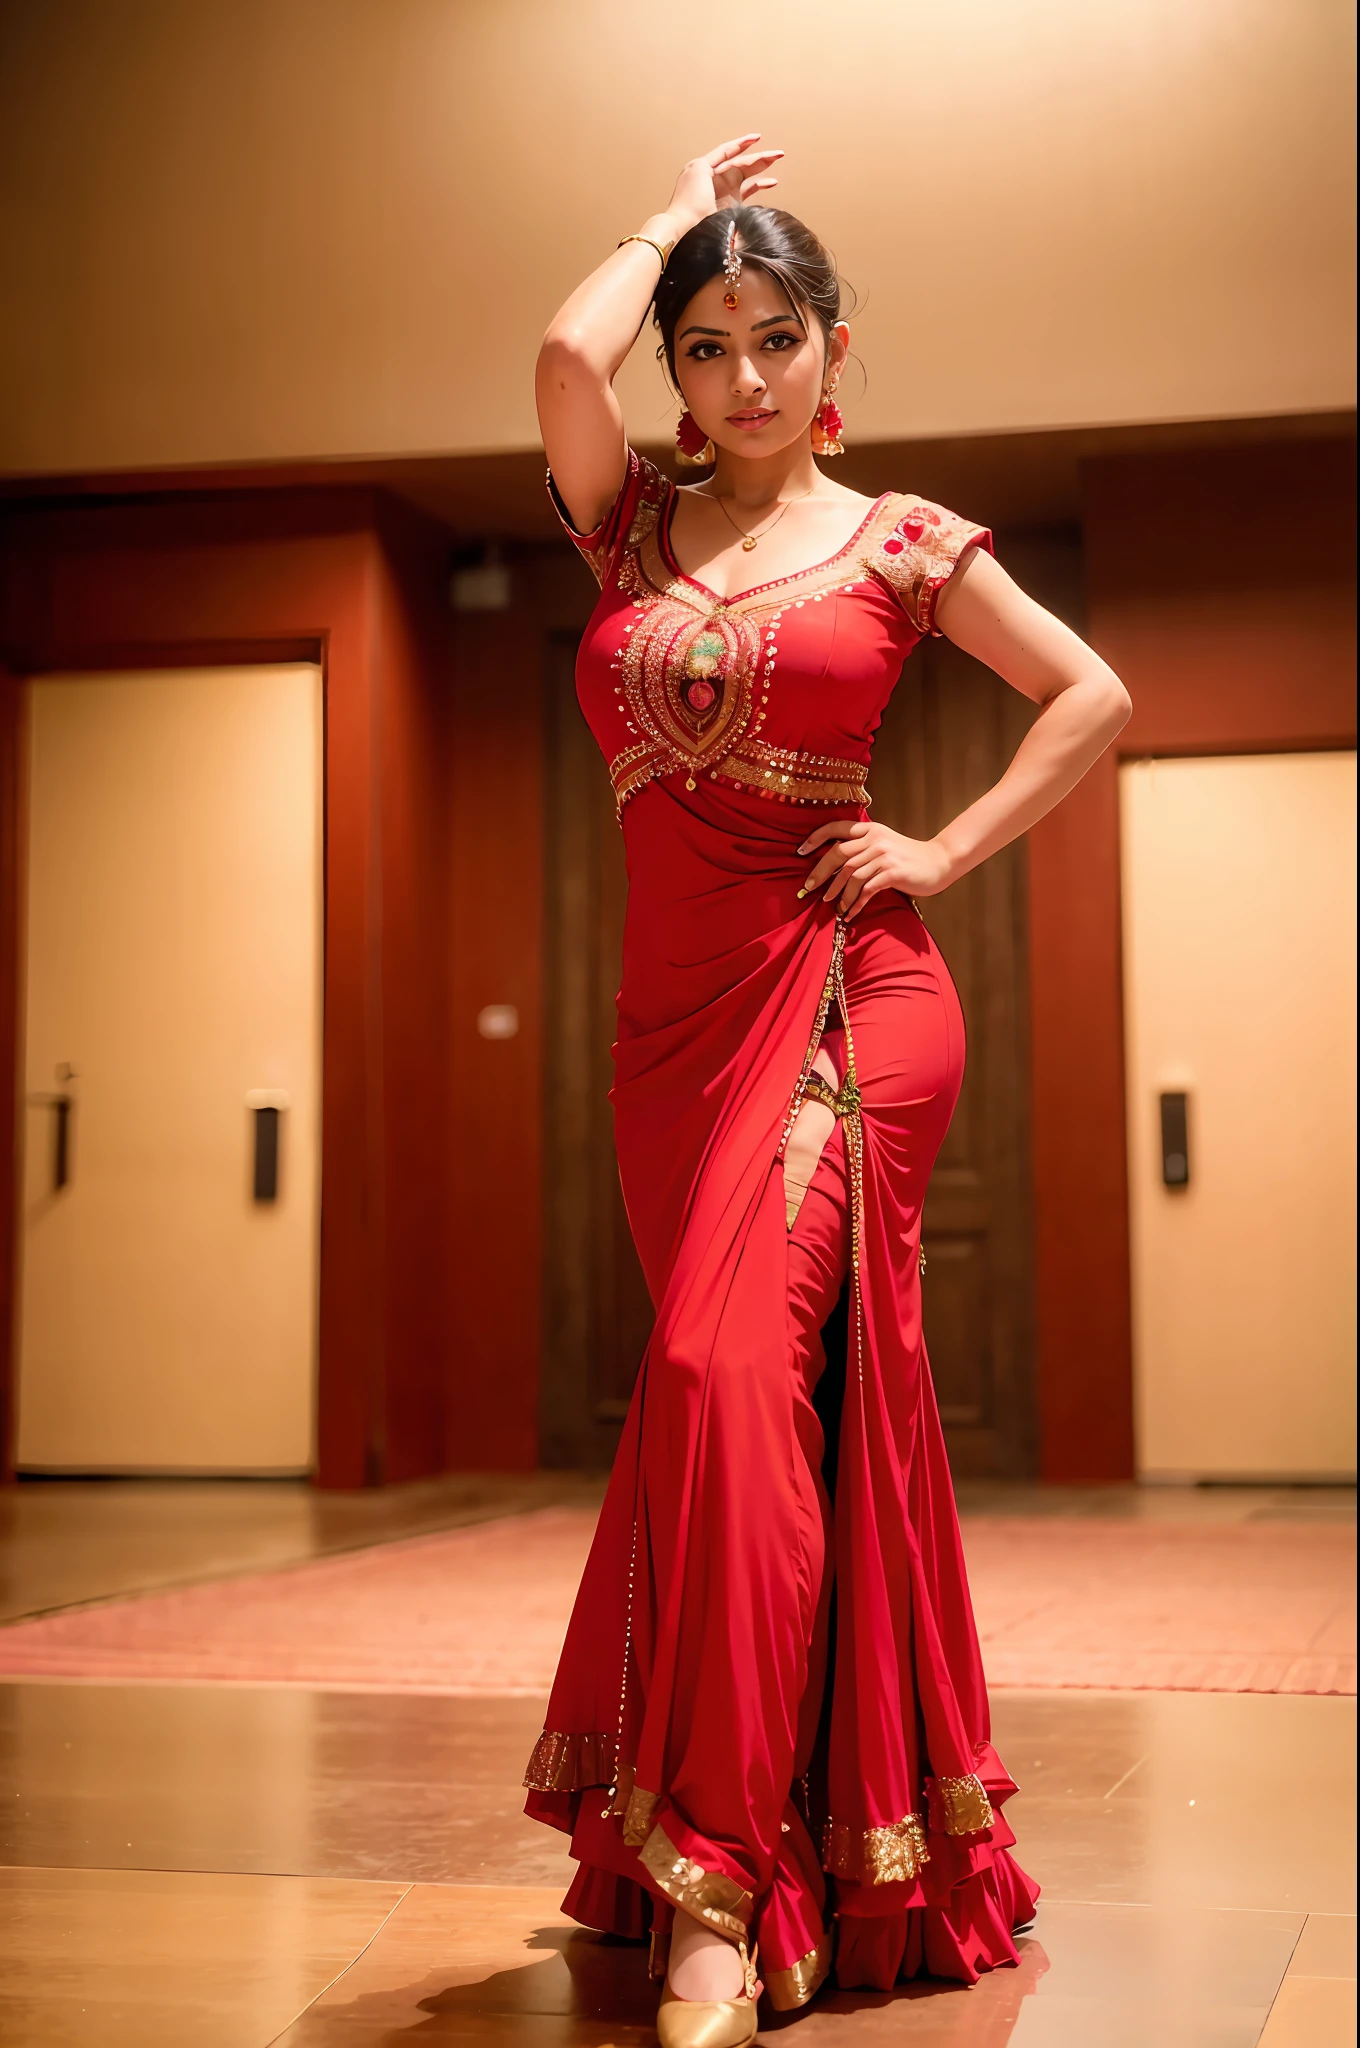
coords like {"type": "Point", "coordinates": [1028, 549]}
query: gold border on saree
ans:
{"type": "Point", "coordinates": [887, 1855]}
{"type": "Point", "coordinates": [709, 1895]}
{"type": "Point", "coordinates": [788, 1989]}
{"type": "Point", "coordinates": [567, 1763]}
{"type": "Point", "coordinates": [959, 1806]}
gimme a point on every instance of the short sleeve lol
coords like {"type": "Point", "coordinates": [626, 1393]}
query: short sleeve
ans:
{"type": "Point", "coordinates": [920, 552]}
{"type": "Point", "coordinates": [628, 521]}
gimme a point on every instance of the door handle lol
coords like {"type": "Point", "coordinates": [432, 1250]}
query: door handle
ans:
{"type": "Point", "coordinates": [1175, 1141]}
{"type": "Point", "coordinates": [61, 1107]}
{"type": "Point", "coordinates": [61, 1143]}
{"type": "Point", "coordinates": [266, 1106]}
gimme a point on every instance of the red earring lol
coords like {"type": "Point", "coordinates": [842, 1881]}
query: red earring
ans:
{"type": "Point", "coordinates": [827, 425]}
{"type": "Point", "coordinates": [691, 441]}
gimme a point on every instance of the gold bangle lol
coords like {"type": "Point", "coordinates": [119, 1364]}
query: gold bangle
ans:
{"type": "Point", "coordinates": [663, 253]}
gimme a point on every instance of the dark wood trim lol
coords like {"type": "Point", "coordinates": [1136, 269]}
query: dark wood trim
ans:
{"type": "Point", "coordinates": [1081, 1236]}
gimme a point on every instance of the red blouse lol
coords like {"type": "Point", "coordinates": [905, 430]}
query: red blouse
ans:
{"type": "Point", "coordinates": [778, 689]}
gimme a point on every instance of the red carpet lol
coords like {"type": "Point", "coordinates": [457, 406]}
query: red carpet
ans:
{"type": "Point", "coordinates": [1232, 1607]}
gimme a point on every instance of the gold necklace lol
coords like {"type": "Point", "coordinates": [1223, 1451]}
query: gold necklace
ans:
{"type": "Point", "coordinates": [748, 540]}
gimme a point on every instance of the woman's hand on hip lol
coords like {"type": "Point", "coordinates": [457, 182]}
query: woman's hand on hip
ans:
{"type": "Point", "coordinates": [859, 859]}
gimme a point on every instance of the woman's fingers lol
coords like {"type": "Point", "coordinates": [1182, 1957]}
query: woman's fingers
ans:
{"type": "Point", "coordinates": [757, 185]}
{"type": "Point", "coordinates": [719, 156]}
{"type": "Point", "coordinates": [825, 868]}
{"type": "Point", "coordinates": [733, 179]}
{"type": "Point", "coordinates": [851, 869]}
{"type": "Point", "coordinates": [857, 873]}
{"type": "Point", "coordinates": [743, 168]}
{"type": "Point", "coordinates": [839, 828]}
{"type": "Point", "coordinates": [871, 887]}
{"type": "Point", "coordinates": [851, 844]}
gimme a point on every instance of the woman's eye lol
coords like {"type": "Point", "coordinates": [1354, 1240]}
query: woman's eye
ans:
{"type": "Point", "coordinates": [703, 351]}
{"type": "Point", "coordinates": [781, 343]}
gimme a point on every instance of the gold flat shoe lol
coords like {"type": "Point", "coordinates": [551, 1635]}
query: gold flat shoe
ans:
{"type": "Point", "coordinates": [709, 2022]}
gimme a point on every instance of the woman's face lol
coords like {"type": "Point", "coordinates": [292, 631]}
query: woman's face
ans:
{"type": "Point", "coordinates": [753, 375]}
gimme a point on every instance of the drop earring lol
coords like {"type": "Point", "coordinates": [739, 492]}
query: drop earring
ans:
{"type": "Point", "coordinates": [691, 442]}
{"type": "Point", "coordinates": [827, 426]}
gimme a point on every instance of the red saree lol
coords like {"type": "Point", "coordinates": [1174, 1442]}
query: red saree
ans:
{"type": "Point", "coordinates": [771, 1677]}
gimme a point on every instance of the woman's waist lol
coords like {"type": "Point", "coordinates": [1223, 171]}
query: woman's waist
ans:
{"type": "Point", "coordinates": [755, 764]}
{"type": "Point", "coordinates": [686, 964]}
{"type": "Point", "coordinates": [690, 832]}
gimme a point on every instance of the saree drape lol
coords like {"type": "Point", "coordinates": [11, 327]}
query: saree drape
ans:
{"type": "Point", "coordinates": [770, 1708]}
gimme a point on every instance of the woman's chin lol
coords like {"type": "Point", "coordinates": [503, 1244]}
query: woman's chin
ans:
{"type": "Point", "coordinates": [755, 444]}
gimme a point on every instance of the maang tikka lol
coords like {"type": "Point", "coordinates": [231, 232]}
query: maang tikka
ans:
{"type": "Point", "coordinates": [691, 442]}
{"type": "Point", "coordinates": [731, 267]}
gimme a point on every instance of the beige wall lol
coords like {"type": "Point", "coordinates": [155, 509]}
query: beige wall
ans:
{"type": "Point", "coordinates": [239, 230]}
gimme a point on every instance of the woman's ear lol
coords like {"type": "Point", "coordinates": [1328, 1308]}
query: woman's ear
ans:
{"type": "Point", "coordinates": [838, 348]}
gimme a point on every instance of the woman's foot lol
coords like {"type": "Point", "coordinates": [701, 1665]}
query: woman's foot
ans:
{"type": "Point", "coordinates": [702, 1964]}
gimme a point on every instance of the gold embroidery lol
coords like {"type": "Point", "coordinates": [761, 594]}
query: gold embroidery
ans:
{"type": "Point", "coordinates": [844, 1101]}
{"type": "Point", "coordinates": [795, 776]}
{"type": "Point", "coordinates": [707, 1894]}
{"type": "Point", "coordinates": [891, 1855]}
{"type": "Point", "coordinates": [686, 693]}
{"type": "Point", "coordinates": [920, 553]}
{"type": "Point", "coordinates": [788, 1989]}
{"type": "Point", "coordinates": [647, 574]}
{"type": "Point", "coordinates": [651, 497]}
{"type": "Point", "coordinates": [695, 670]}
{"type": "Point", "coordinates": [566, 1763]}
{"type": "Point", "coordinates": [958, 1806]}
{"type": "Point", "coordinates": [637, 1814]}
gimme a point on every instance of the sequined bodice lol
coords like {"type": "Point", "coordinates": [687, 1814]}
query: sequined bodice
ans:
{"type": "Point", "coordinates": [778, 689]}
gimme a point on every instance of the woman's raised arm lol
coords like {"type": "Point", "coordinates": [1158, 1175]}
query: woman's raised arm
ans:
{"type": "Point", "coordinates": [584, 348]}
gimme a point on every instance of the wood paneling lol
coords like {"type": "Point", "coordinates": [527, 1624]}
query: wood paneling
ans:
{"type": "Point", "coordinates": [597, 1312]}
{"type": "Point", "coordinates": [1080, 1180]}
{"type": "Point", "coordinates": [949, 731]}
{"type": "Point", "coordinates": [492, 1260]}
{"type": "Point", "coordinates": [11, 994]}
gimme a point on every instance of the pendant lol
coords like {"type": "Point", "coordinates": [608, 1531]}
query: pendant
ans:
{"type": "Point", "coordinates": [747, 545]}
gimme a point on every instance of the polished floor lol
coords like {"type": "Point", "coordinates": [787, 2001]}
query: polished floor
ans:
{"type": "Point", "coordinates": [238, 1866]}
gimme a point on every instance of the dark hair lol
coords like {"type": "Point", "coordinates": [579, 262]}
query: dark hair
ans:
{"type": "Point", "coordinates": [767, 239]}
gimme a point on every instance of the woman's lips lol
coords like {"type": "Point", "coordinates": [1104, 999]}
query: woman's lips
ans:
{"type": "Point", "coordinates": [749, 420]}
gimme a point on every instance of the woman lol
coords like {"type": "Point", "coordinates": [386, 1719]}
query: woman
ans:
{"type": "Point", "coordinates": [772, 1673]}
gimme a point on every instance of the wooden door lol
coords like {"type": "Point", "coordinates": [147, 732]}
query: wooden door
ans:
{"type": "Point", "coordinates": [949, 731]}
{"type": "Point", "coordinates": [172, 1029]}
